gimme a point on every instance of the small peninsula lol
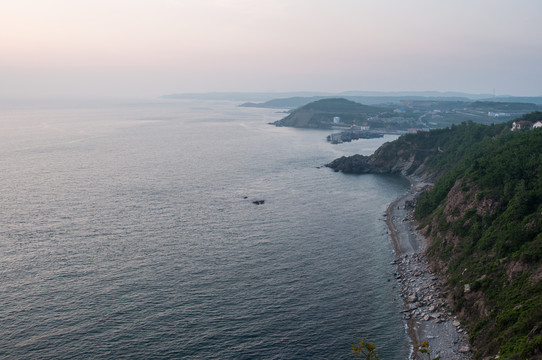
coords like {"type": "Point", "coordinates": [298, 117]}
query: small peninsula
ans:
{"type": "Point", "coordinates": [398, 117]}
{"type": "Point", "coordinates": [476, 201]}
{"type": "Point", "coordinates": [321, 114]}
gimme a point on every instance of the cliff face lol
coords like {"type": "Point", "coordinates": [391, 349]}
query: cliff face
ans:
{"type": "Point", "coordinates": [492, 263]}
{"type": "Point", "coordinates": [398, 157]}
{"type": "Point", "coordinates": [483, 221]}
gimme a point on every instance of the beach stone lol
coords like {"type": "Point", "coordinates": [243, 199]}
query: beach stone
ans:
{"type": "Point", "coordinates": [464, 349]}
{"type": "Point", "coordinates": [423, 296]}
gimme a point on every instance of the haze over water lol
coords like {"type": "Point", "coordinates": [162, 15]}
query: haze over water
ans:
{"type": "Point", "coordinates": [129, 231]}
{"type": "Point", "coordinates": [146, 48]}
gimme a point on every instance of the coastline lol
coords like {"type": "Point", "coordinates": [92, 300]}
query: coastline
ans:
{"type": "Point", "coordinates": [425, 310]}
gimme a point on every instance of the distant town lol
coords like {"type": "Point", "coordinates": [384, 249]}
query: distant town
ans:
{"type": "Point", "coordinates": [358, 115]}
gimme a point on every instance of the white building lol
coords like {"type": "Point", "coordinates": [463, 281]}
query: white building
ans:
{"type": "Point", "coordinates": [521, 125]}
{"type": "Point", "coordinates": [495, 114]}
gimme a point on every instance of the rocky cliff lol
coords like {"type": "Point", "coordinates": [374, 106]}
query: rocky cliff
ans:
{"type": "Point", "coordinates": [483, 221]}
{"type": "Point", "coordinates": [402, 156]}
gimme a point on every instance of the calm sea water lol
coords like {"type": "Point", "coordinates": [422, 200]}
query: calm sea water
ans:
{"type": "Point", "coordinates": [128, 231]}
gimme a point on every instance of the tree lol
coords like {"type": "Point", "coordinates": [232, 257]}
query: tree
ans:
{"type": "Point", "coordinates": [368, 350]}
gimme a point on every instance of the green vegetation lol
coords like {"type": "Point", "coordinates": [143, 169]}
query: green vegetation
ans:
{"type": "Point", "coordinates": [320, 114]}
{"type": "Point", "coordinates": [396, 114]}
{"type": "Point", "coordinates": [424, 349]}
{"type": "Point", "coordinates": [367, 350]}
{"type": "Point", "coordinates": [483, 219]}
{"type": "Point", "coordinates": [484, 216]}
{"type": "Point", "coordinates": [503, 106]}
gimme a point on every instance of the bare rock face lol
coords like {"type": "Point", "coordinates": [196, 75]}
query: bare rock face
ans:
{"type": "Point", "coordinates": [456, 323]}
{"type": "Point", "coordinates": [390, 158]}
{"type": "Point", "coordinates": [426, 311]}
{"type": "Point", "coordinates": [356, 164]}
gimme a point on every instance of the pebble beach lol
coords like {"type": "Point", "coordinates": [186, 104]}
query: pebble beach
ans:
{"type": "Point", "coordinates": [425, 311]}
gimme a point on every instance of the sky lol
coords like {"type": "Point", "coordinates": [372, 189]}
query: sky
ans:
{"type": "Point", "coordinates": [148, 48]}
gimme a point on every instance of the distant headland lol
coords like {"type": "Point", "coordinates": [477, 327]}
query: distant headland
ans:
{"type": "Point", "coordinates": [382, 112]}
{"type": "Point", "coordinates": [405, 116]}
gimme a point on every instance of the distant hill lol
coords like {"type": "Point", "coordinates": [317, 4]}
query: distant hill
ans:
{"type": "Point", "coordinates": [295, 102]}
{"type": "Point", "coordinates": [516, 99]}
{"type": "Point", "coordinates": [245, 96]}
{"type": "Point", "coordinates": [320, 114]}
{"type": "Point", "coordinates": [505, 106]}
{"type": "Point", "coordinates": [400, 116]}
{"type": "Point", "coordinates": [285, 103]}
{"type": "Point", "coordinates": [365, 97]}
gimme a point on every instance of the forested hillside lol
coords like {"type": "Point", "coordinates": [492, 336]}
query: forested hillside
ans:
{"type": "Point", "coordinates": [484, 220]}
{"type": "Point", "coordinates": [320, 114]}
{"type": "Point", "coordinates": [430, 154]}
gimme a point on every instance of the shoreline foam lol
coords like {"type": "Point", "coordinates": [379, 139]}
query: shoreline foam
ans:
{"type": "Point", "coordinates": [425, 309]}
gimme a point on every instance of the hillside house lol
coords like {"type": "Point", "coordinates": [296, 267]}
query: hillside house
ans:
{"type": "Point", "coordinates": [537, 124]}
{"type": "Point", "coordinates": [521, 125]}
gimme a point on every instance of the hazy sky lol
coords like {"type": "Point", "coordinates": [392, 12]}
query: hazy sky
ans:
{"type": "Point", "coordinates": [154, 47]}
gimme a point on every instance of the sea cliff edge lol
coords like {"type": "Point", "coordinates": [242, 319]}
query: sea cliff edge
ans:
{"type": "Point", "coordinates": [425, 309]}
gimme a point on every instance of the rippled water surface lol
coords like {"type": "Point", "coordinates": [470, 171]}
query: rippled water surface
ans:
{"type": "Point", "coordinates": [128, 231]}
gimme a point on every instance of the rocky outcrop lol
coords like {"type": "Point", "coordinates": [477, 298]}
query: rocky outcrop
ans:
{"type": "Point", "coordinates": [390, 158]}
{"type": "Point", "coordinates": [426, 308]}
{"type": "Point", "coordinates": [357, 164]}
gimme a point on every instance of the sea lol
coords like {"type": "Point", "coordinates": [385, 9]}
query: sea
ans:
{"type": "Point", "coordinates": [128, 230]}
